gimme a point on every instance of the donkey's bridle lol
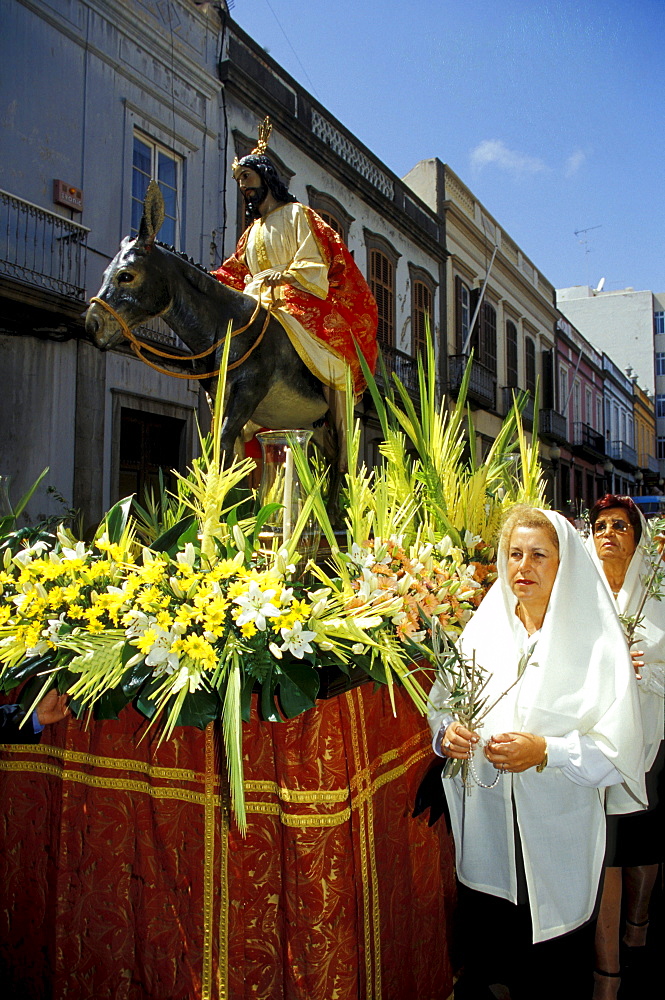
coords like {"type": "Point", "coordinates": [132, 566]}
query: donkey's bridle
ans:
{"type": "Point", "coordinates": [138, 346]}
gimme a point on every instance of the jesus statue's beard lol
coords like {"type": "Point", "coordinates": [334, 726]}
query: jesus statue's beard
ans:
{"type": "Point", "coordinates": [254, 198]}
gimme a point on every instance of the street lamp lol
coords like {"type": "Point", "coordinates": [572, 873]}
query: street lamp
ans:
{"type": "Point", "coordinates": [555, 456]}
{"type": "Point", "coordinates": [608, 469]}
{"type": "Point", "coordinates": [638, 481]}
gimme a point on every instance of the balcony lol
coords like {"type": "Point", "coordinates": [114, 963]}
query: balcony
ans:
{"type": "Point", "coordinates": [405, 366]}
{"type": "Point", "coordinates": [588, 442]}
{"type": "Point", "coordinates": [40, 249]}
{"type": "Point", "coordinates": [553, 425]}
{"type": "Point", "coordinates": [623, 455]}
{"type": "Point", "coordinates": [511, 393]}
{"type": "Point", "coordinates": [482, 384]}
{"type": "Point", "coordinates": [649, 464]}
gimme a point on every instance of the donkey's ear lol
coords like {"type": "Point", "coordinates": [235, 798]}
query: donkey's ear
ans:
{"type": "Point", "coordinates": [153, 216]}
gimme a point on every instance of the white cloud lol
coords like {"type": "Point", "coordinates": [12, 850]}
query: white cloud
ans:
{"type": "Point", "coordinates": [574, 162]}
{"type": "Point", "coordinates": [494, 152]}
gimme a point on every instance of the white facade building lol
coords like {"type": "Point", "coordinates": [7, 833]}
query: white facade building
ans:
{"type": "Point", "coordinates": [630, 326]}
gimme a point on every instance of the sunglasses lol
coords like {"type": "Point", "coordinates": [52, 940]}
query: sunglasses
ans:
{"type": "Point", "coordinates": [600, 527]}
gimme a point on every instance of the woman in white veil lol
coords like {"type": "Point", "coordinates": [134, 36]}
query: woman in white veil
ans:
{"type": "Point", "coordinates": [635, 841]}
{"type": "Point", "coordinates": [530, 840]}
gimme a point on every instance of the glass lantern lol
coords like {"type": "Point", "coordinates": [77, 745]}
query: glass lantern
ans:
{"type": "Point", "coordinates": [281, 484]}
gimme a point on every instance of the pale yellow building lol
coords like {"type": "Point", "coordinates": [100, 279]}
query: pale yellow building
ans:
{"type": "Point", "coordinates": [514, 334]}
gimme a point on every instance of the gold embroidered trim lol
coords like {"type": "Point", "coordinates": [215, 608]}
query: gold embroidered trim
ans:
{"type": "Point", "coordinates": [94, 781]}
{"type": "Point", "coordinates": [208, 863]}
{"type": "Point", "coordinates": [260, 247]}
{"type": "Point", "coordinates": [309, 212]}
{"type": "Point", "coordinates": [364, 867]}
{"type": "Point", "coordinates": [112, 763]}
{"type": "Point", "coordinates": [374, 885]}
{"type": "Point", "coordinates": [296, 794]}
{"type": "Point", "coordinates": [223, 953]}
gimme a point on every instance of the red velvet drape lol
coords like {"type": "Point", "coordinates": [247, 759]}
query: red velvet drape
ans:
{"type": "Point", "coordinates": [122, 879]}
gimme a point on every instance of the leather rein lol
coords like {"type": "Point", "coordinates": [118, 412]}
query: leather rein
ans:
{"type": "Point", "coordinates": [138, 346]}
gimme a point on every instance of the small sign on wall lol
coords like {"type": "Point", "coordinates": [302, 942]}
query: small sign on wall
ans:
{"type": "Point", "coordinates": [70, 197]}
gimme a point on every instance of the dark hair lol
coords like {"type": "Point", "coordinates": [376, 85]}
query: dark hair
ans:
{"type": "Point", "coordinates": [265, 168]}
{"type": "Point", "coordinates": [626, 503]}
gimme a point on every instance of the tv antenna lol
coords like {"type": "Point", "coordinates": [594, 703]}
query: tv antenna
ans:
{"type": "Point", "coordinates": [585, 243]}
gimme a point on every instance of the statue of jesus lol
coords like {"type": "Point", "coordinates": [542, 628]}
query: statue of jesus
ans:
{"type": "Point", "coordinates": [300, 268]}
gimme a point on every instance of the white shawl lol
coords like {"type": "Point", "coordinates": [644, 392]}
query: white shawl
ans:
{"type": "Point", "coordinates": [651, 640]}
{"type": "Point", "coordinates": [579, 677]}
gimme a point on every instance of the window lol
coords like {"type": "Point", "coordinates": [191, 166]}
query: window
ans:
{"type": "Point", "coordinates": [599, 415]}
{"type": "Point", "coordinates": [331, 211]}
{"type": "Point", "coordinates": [588, 406]}
{"type": "Point", "coordinates": [530, 364]}
{"type": "Point", "coordinates": [577, 402]}
{"type": "Point", "coordinates": [150, 159]}
{"type": "Point", "coordinates": [487, 336]}
{"type": "Point", "coordinates": [660, 405]}
{"type": "Point", "coordinates": [462, 313]}
{"type": "Point", "coordinates": [512, 379]}
{"type": "Point", "coordinates": [422, 307]}
{"type": "Point", "coordinates": [659, 322]}
{"type": "Point", "coordinates": [563, 390]}
{"type": "Point", "coordinates": [421, 315]}
{"type": "Point", "coordinates": [382, 284]}
{"type": "Point", "coordinates": [660, 362]}
{"type": "Point", "coordinates": [660, 447]}
{"type": "Point", "coordinates": [382, 264]}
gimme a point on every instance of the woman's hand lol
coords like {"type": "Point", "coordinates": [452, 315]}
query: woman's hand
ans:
{"type": "Point", "coordinates": [638, 662]}
{"type": "Point", "coordinates": [458, 740]}
{"type": "Point", "coordinates": [516, 751]}
{"type": "Point", "coordinates": [52, 708]}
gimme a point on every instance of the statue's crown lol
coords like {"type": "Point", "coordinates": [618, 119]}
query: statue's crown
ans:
{"type": "Point", "coordinates": [265, 128]}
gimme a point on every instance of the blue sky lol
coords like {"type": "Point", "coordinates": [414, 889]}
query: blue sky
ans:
{"type": "Point", "coordinates": [552, 112]}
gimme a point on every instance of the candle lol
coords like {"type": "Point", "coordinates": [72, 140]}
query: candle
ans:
{"type": "Point", "coordinates": [288, 486]}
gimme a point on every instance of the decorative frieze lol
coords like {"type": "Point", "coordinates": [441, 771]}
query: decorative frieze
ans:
{"type": "Point", "coordinates": [350, 153]}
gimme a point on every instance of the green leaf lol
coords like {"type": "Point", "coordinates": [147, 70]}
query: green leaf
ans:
{"type": "Point", "coordinates": [135, 676]}
{"type": "Point", "coordinates": [199, 708]}
{"type": "Point", "coordinates": [23, 670]}
{"type": "Point", "coordinates": [246, 697]}
{"type": "Point", "coordinates": [177, 537]}
{"type": "Point", "coordinates": [298, 687]}
{"type": "Point", "coordinates": [25, 499]}
{"type": "Point", "coordinates": [144, 702]}
{"type": "Point", "coordinates": [268, 708]}
{"type": "Point", "coordinates": [111, 703]}
{"type": "Point", "coordinates": [116, 520]}
{"type": "Point", "coordinates": [264, 515]}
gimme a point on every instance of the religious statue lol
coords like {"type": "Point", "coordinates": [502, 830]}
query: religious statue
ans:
{"type": "Point", "coordinates": [297, 266]}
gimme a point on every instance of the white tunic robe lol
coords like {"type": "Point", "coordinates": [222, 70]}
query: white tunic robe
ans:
{"type": "Point", "coordinates": [578, 680]}
{"type": "Point", "coordinates": [650, 639]}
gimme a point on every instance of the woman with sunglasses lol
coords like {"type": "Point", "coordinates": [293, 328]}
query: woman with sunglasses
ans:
{"type": "Point", "coordinates": [634, 841]}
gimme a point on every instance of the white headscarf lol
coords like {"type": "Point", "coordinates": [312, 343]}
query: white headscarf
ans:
{"type": "Point", "coordinates": [650, 639]}
{"type": "Point", "coordinates": [579, 676]}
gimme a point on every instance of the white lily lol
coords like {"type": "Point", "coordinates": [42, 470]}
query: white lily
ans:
{"type": "Point", "coordinates": [257, 606]}
{"type": "Point", "coordinates": [297, 640]}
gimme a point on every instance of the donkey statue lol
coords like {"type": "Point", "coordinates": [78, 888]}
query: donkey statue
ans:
{"type": "Point", "coordinates": [267, 382]}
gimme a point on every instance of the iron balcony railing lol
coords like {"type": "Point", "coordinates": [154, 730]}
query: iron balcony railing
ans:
{"type": "Point", "coordinates": [511, 393]}
{"type": "Point", "coordinates": [403, 365]}
{"type": "Point", "coordinates": [554, 425]}
{"type": "Point", "coordinates": [622, 452]}
{"type": "Point", "coordinates": [482, 384]}
{"type": "Point", "coordinates": [584, 436]}
{"type": "Point", "coordinates": [41, 248]}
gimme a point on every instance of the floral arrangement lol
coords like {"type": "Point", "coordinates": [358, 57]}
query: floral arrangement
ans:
{"type": "Point", "coordinates": [185, 610]}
